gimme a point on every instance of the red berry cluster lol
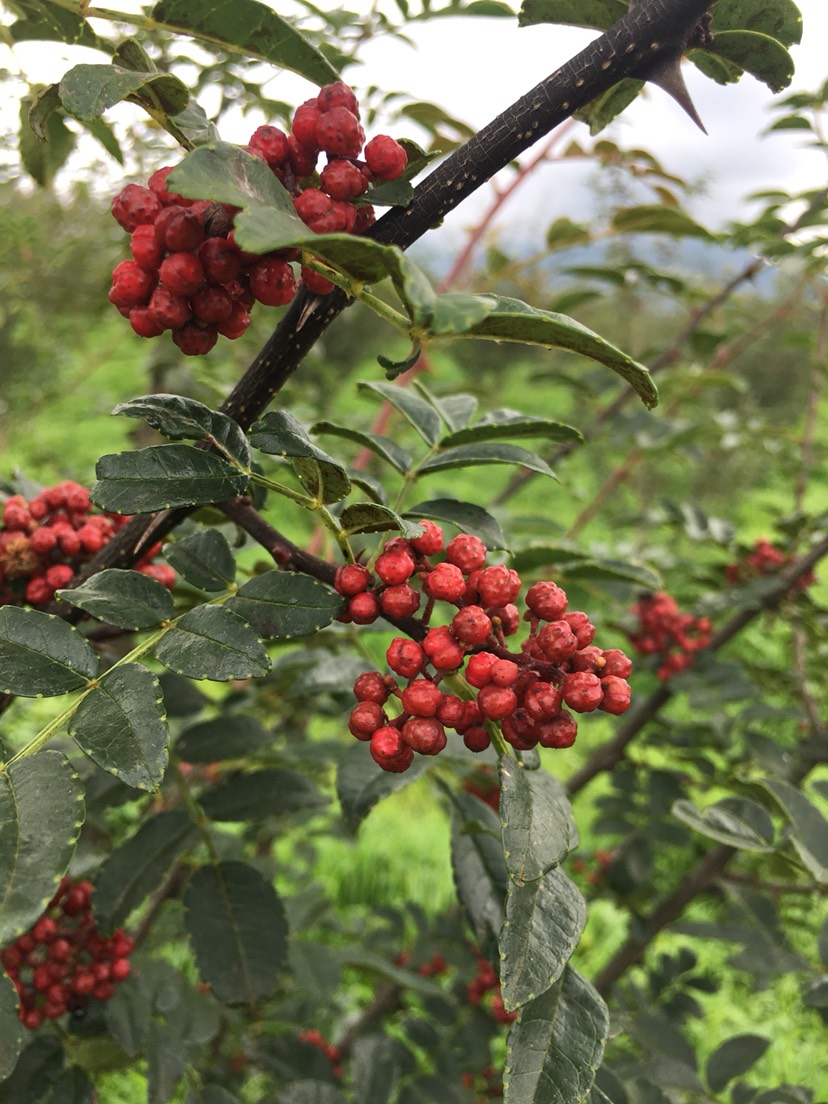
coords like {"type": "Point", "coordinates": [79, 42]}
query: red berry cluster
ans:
{"type": "Point", "coordinates": [595, 867]}
{"type": "Point", "coordinates": [331, 1052]}
{"type": "Point", "coordinates": [434, 967]}
{"type": "Point", "coordinates": [524, 691]}
{"type": "Point", "coordinates": [487, 1085]}
{"type": "Point", "coordinates": [44, 540]}
{"type": "Point", "coordinates": [765, 559]}
{"type": "Point", "coordinates": [485, 785]}
{"type": "Point", "coordinates": [665, 631]}
{"type": "Point", "coordinates": [487, 982]}
{"type": "Point", "coordinates": [189, 276]}
{"type": "Point", "coordinates": [63, 962]}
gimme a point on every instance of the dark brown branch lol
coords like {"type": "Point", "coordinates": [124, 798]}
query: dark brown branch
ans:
{"type": "Point", "coordinates": [611, 753]}
{"type": "Point", "coordinates": [701, 878]}
{"type": "Point", "coordinates": [659, 28]}
{"type": "Point", "coordinates": [289, 556]}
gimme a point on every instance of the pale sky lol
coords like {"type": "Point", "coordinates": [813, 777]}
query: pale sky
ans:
{"type": "Point", "coordinates": [474, 67]}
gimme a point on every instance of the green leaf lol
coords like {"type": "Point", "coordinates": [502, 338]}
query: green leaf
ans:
{"type": "Point", "coordinates": [455, 410]}
{"type": "Point", "coordinates": [284, 605]}
{"type": "Point", "coordinates": [597, 15]}
{"type": "Point", "coordinates": [734, 1058]}
{"type": "Point", "coordinates": [126, 599]}
{"type": "Point", "coordinates": [374, 963]}
{"type": "Point", "coordinates": [758, 54]}
{"type": "Point", "coordinates": [132, 871]}
{"type": "Point", "coordinates": [374, 1070]}
{"type": "Point", "coordinates": [11, 1029]}
{"type": "Point", "coordinates": [734, 821]}
{"type": "Point", "coordinates": [262, 793]}
{"type": "Point", "coordinates": [43, 19]}
{"type": "Point", "coordinates": [86, 91]}
{"type": "Point", "coordinates": [204, 560]}
{"type": "Point", "coordinates": [121, 724]}
{"type": "Point", "coordinates": [779, 19]}
{"type": "Point", "coordinates": [544, 921]}
{"type": "Point", "coordinates": [465, 516]}
{"type": "Point", "coordinates": [163, 476]}
{"type": "Point", "coordinates": [607, 106]}
{"type": "Point", "coordinates": [279, 434]}
{"type": "Point", "coordinates": [383, 447]}
{"type": "Point", "coordinates": [517, 321]}
{"type": "Point", "coordinates": [267, 219]}
{"type": "Point", "coordinates": [183, 419]}
{"type": "Point", "coordinates": [563, 233]}
{"type": "Point", "coordinates": [230, 736]}
{"type": "Point", "coordinates": [557, 1045]}
{"type": "Point", "coordinates": [237, 930]}
{"type": "Point", "coordinates": [39, 1069]}
{"type": "Point", "coordinates": [44, 154]}
{"type": "Point", "coordinates": [509, 424]}
{"type": "Point", "coordinates": [310, 1092]}
{"type": "Point", "coordinates": [41, 813]}
{"type": "Point", "coordinates": [538, 829]}
{"type": "Point", "coordinates": [417, 411]}
{"type": "Point", "coordinates": [457, 312]}
{"type": "Point", "coordinates": [370, 517]}
{"type": "Point", "coordinates": [653, 219]}
{"type": "Point", "coordinates": [808, 826]}
{"type": "Point", "coordinates": [212, 642]}
{"type": "Point", "coordinates": [250, 29]}
{"type": "Point", "coordinates": [478, 866]}
{"type": "Point", "coordinates": [42, 656]}
{"type": "Point", "coordinates": [360, 783]}
{"type": "Point", "coordinates": [470, 456]}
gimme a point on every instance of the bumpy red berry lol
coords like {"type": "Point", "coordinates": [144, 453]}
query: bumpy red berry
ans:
{"type": "Point", "coordinates": [386, 158]}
